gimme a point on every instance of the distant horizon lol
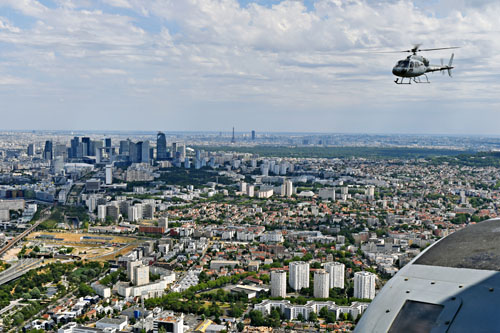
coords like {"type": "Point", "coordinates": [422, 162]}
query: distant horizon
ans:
{"type": "Point", "coordinates": [229, 132]}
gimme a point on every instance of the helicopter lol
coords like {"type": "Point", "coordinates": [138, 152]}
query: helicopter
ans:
{"type": "Point", "coordinates": [415, 66]}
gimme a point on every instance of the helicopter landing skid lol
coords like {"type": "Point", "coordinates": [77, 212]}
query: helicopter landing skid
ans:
{"type": "Point", "coordinates": [414, 79]}
{"type": "Point", "coordinates": [397, 81]}
{"type": "Point", "coordinates": [420, 81]}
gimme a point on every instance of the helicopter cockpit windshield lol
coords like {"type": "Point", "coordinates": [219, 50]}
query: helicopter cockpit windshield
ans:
{"type": "Point", "coordinates": [403, 64]}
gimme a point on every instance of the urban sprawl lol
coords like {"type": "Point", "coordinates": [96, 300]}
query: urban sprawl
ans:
{"type": "Point", "coordinates": [224, 232]}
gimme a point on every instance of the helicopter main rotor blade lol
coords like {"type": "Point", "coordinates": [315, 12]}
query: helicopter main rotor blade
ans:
{"type": "Point", "coordinates": [416, 49]}
{"type": "Point", "coordinates": [440, 48]}
{"type": "Point", "coordinates": [405, 51]}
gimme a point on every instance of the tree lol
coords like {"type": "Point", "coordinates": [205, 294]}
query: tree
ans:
{"type": "Point", "coordinates": [109, 220]}
{"type": "Point", "coordinates": [307, 291]}
{"type": "Point", "coordinates": [215, 310]}
{"type": "Point", "coordinates": [275, 313]}
{"type": "Point", "coordinates": [308, 256]}
{"type": "Point", "coordinates": [313, 317]}
{"type": "Point", "coordinates": [256, 318]}
{"type": "Point", "coordinates": [240, 326]}
{"type": "Point", "coordinates": [35, 293]}
{"type": "Point", "coordinates": [300, 317]}
{"type": "Point", "coordinates": [330, 317]}
{"type": "Point", "coordinates": [316, 265]}
{"type": "Point", "coordinates": [236, 310]}
{"type": "Point", "coordinates": [323, 312]}
{"type": "Point", "coordinates": [85, 290]}
{"type": "Point", "coordinates": [265, 278]}
{"type": "Point", "coordinates": [22, 252]}
{"type": "Point", "coordinates": [203, 277]}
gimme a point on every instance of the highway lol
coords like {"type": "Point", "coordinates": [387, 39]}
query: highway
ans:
{"type": "Point", "coordinates": [19, 269]}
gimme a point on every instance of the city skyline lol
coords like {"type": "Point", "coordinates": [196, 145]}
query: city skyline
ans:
{"type": "Point", "coordinates": [286, 66]}
{"type": "Point", "coordinates": [291, 230]}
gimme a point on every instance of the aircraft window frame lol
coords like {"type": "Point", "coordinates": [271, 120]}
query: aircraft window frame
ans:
{"type": "Point", "coordinates": [415, 316]}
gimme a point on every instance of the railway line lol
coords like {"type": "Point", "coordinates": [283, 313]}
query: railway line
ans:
{"type": "Point", "coordinates": [45, 213]}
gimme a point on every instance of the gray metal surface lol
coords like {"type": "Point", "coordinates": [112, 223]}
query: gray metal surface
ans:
{"type": "Point", "coordinates": [475, 247]}
{"type": "Point", "coordinates": [470, 297]}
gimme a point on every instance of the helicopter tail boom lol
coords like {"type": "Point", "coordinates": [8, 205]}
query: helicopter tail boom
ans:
{"type": "Point", "coordinates": [448, 68]}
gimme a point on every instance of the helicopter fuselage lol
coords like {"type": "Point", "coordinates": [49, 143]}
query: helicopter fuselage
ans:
{"type": "Point", "coordinates": [412, 66]}
{"type": "Point", "coordinates": [416, 65]}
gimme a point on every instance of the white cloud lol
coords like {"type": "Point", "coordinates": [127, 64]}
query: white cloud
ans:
{"type": "Point", "coordinates": [11, 80]}
{"type": "Point", "coordinates": [109, 71]}
{"type": "Point", "coordinates": [27, 7]}
{"type": "Point", "coordinates": [118, 3]}
{"type": "Point", "coordinates": [284, 56]}
{"type": "Point", "coordinates": [6, 25]}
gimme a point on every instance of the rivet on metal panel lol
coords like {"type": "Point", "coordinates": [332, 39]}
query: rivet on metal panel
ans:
{"type": "Point", "coordinates": [491, 290]}
{"type": "Point", "coordinates": [433, 282]}
{"type": "Point", "coordinates": [453, 298]}
{"type": "Point", "coordinates": [460, 286]}
{"type": "Point", "coordinates": [406, 279]}
{"type": "Point", "coordinates": [387, 311]}
{"type": "Point", "coordinates": [407, 291]}
{"type": "Point", "coordinates": [447, 322]}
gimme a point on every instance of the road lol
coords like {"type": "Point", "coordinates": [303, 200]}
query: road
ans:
{"type": "Point", "coordinates": [12, 305]}
{"type": "Point", "coordinates": [19, 269]}
{"type": "Point", "coordinates": [113, 252]}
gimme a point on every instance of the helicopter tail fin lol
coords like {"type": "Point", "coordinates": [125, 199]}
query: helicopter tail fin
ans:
{"type": "Point", "coordinates": [450, 63]}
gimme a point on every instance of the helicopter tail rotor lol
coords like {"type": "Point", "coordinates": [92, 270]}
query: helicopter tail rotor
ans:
{"type": "Point", "coordinates": [442, 65]}
{"type": "Point", "coordinates": [450, 64]}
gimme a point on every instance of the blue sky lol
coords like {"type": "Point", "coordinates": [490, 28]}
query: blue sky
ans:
{"type": "Point", "coordinates": [269, 65]}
